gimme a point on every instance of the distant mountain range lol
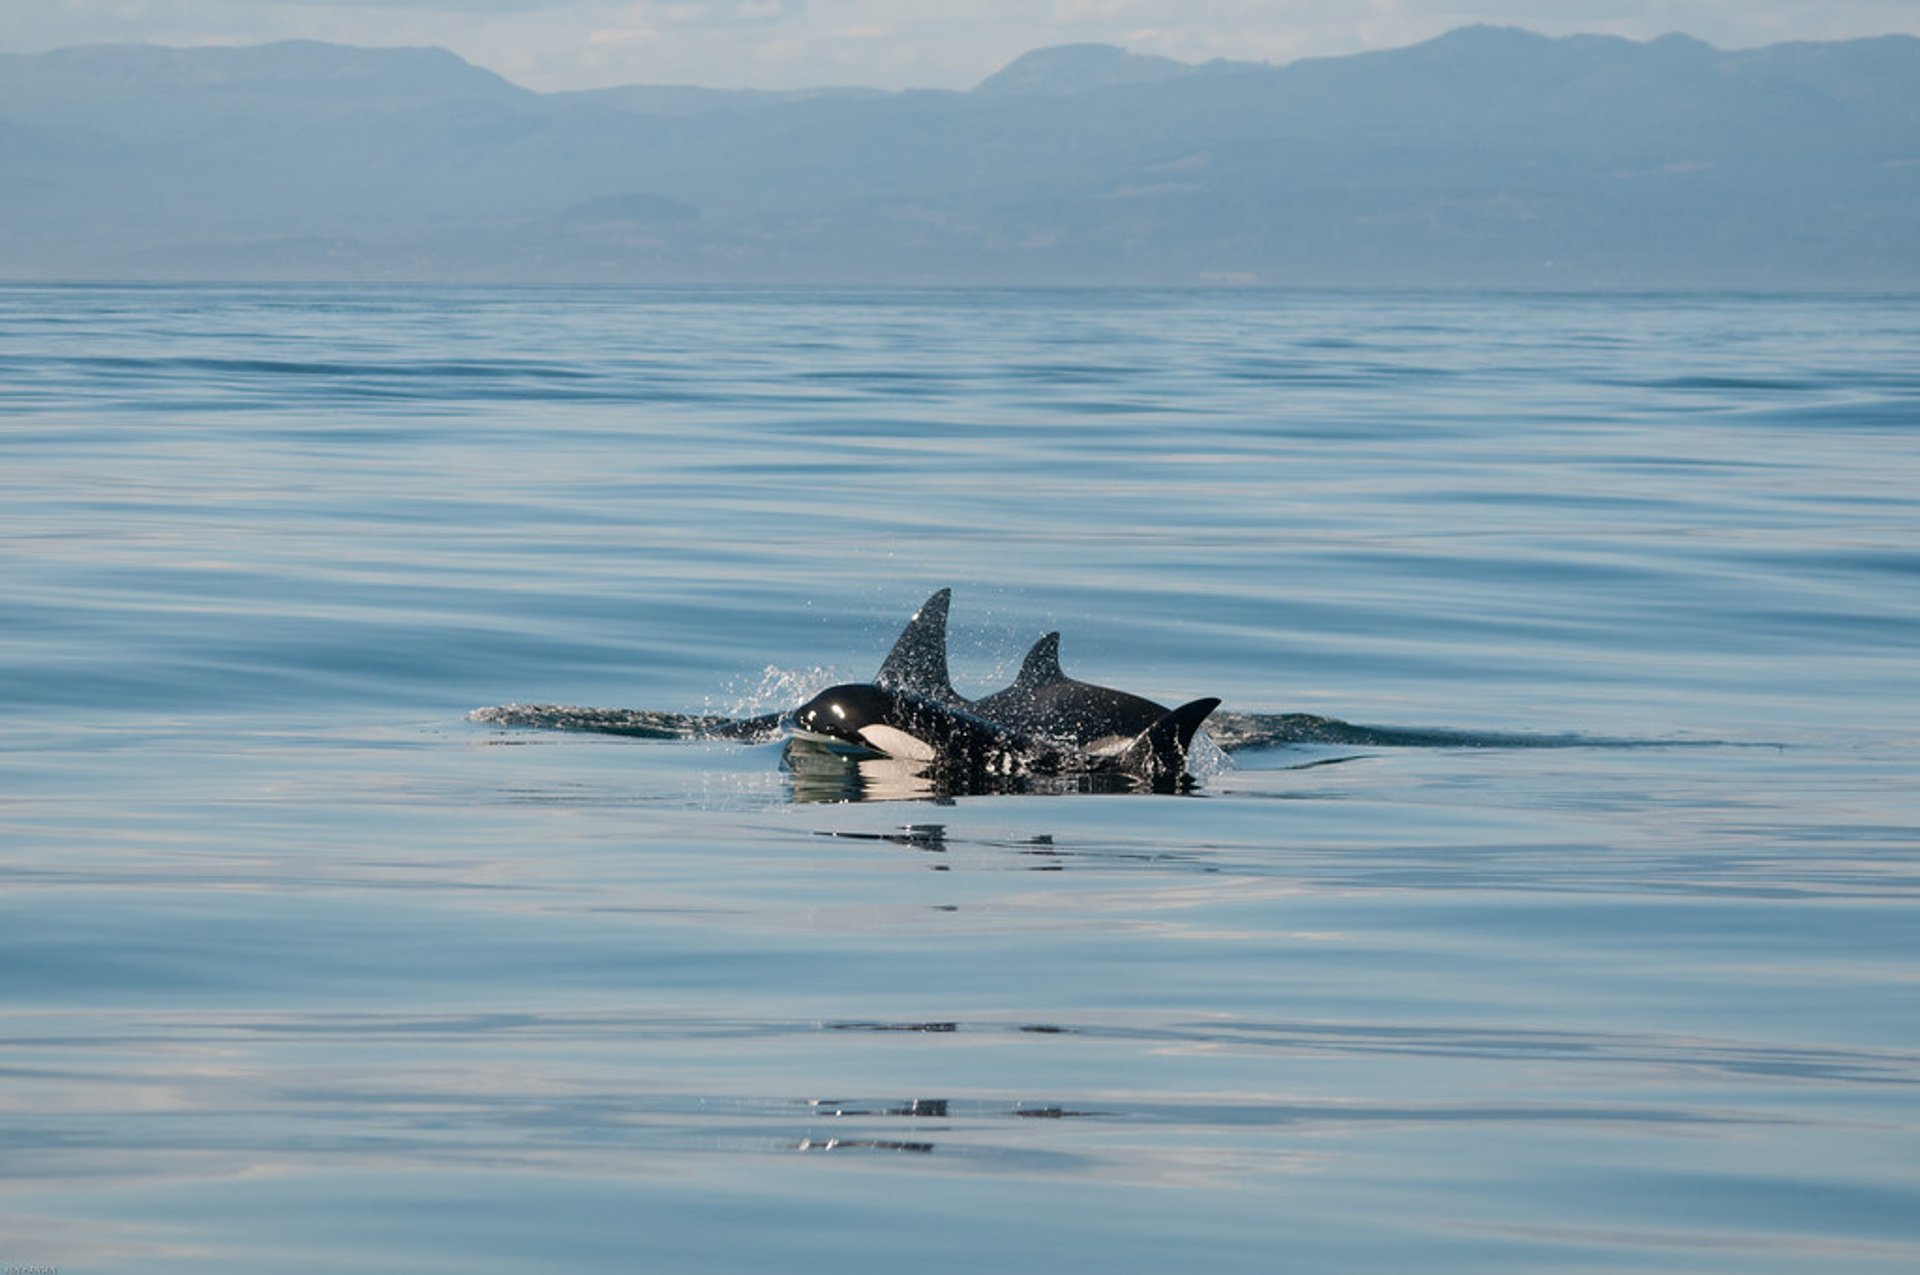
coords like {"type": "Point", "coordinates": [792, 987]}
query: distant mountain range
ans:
{"type": "Point", "coordinates": [1489, 157]}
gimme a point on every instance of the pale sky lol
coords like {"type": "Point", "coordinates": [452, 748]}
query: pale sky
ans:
{"type": "Point", "coordinates": [559, 44]}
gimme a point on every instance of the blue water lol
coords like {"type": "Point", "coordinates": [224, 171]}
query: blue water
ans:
{"type": "Point", "coordinates": [304, 969]}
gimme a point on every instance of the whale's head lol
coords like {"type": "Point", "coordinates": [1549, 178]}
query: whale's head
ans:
{"type": "Point", "coordinates": [870, 718]}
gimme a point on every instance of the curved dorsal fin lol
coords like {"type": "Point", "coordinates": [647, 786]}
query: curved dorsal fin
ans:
{"type": "Point", "coordinates": [1042, 666]}
{"type": "Point", "coordinates": [918, 661]}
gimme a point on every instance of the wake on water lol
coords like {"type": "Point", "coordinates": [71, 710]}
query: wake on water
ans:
{"type": "Point", "coordinates": [761, 715]}
{"type": "Point", "coordinates": [1231, 732]}
{"type": "Point", "coordinates": [919, 659]}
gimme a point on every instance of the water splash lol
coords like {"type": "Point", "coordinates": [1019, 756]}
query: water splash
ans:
{"type": "Point", "coordinates": [639, 723]}
{"type": "Point", "coordinates": [777, 691]}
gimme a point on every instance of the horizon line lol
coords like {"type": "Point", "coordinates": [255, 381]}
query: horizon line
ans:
{"type": "Point", "coordinates": [1251, 64]}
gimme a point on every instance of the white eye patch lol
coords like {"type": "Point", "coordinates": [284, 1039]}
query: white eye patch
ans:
{"type": "Point", "coordinates": [895, 742]}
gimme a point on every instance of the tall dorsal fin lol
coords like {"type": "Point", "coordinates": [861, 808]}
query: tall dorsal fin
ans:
{"type": "Point", "coordinates": [918, 661]}
{"type": "Point", "coordinates": [1159, 752]}
{"type": "Point", "coordinates": [1042, 666]}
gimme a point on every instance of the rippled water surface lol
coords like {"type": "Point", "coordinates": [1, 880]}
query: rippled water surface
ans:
{"type": "Point", "coordinates": [303, 969]}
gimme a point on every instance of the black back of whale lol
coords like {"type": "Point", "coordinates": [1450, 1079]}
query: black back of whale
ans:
{"type": "Point", "coordinates": [1044, 701]}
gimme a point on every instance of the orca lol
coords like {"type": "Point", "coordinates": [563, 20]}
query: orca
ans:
{"type": "Point", "coordinates": [1044, 701]}
{"type": "Point", "coordinates": [969, 750]}
{"type": "Point", "coordinates": [867, 719]}
{"type": "Point", "coordinates": [1045, 724]}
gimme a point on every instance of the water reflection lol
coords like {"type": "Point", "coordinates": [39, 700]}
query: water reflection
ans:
{"type": "Point", "coordinates": [920, 836]}
{"type": "Point", "coordinates": [960, 1113]}
{"type": "Point", "coordinates": [1038, 852]}
{"type": "Point", "coordinates": [185, 1102]}
{"type": "Point", "coordinates": [861, 1144]}
{"type": "Point", "coordinates": [822, 774]}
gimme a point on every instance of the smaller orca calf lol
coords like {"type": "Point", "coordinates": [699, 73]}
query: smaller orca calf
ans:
{"type": "Point", "coordinates": [867, 719]}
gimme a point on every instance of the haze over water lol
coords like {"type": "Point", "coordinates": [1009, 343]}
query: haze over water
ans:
{"type": "Point", "coordinates": [303, 970]}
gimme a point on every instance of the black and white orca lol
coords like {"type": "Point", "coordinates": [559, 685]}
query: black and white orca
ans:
{"type": "Point", "coordinates": [867, 719]}
{"type": "Point", "coordinates": [1044, 701]}
{"type": "Point", "coordinates": [1046, 723]}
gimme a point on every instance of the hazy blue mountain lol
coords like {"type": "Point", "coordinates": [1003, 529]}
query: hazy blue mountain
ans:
{"type": "Point", "coordinates": [688, 99]}
{"type": "Point", "coordinates": [1074, 68]}
{"type": "Point", "coordinates": [1487, 157]}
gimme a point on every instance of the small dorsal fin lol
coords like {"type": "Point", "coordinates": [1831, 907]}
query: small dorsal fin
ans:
{"type": "Point", "coordinates": [918, 661]}
{"type": "Point", "coordinates": [1160, 751]}
{"type": "Point", "coordinates": [1042, 666]}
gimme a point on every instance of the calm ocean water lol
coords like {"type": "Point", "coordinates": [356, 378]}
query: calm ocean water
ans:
{"type": "Point", "coordinates": [301, 969]}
